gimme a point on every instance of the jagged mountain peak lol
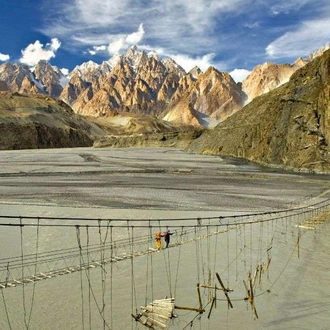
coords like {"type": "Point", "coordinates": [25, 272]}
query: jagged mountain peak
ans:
{"type": "Point", "coordinates": [288, 127]}
{"type": "Point", "coordinates": [154, 55]}
{"type": "Point", "coordinates": [134, 57]}
{"type": "Point", "coordinates": [195, 72]}
{"type": "Point", "coordinates": [44, 67]}
{"type": "Point", "coordinates": [172, 66]}
{"type": "Point", "coordinates": [84, 68]}
{"type": "Point", "coordinates": [268, 76]}
{"type": "Point", "coordinates": [212, 71]}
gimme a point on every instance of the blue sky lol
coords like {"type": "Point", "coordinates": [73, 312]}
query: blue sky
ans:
{"type": "Point", "coordinates": [231, 35]}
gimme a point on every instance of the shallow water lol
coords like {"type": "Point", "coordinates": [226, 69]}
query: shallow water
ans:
{"type": "Point", "coordinates": [151, 185]}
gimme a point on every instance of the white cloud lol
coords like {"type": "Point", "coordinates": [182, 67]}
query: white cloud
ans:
{"type": "Point", "coordinates": [97, 49]}
{"type": "Point", "coordinates": [116, 46]}
{"type": "Point", "coordinates": [286, 6]}
{"type": "Point", "coordinates": [122, 43]}
{"type": "Point", "coordinates": [252, 25]}
{"type": "Point", "coordinates": [33, 53]}
{"type": "Point", "coordinates": [187, 62]}
{"type": "Point", "coordinates": [309, 36]}
{"type": "Point", "coordinates": [239, 74]}
{"type": "Point", "coordinates": [65, 71]}
{"type": "Point", "coordinates": [177, 25]}
{"type": "Point", "coordinates": [186, 27]}
{"type": "Point", "coordinates": [54, 45]}
{"type": "Point", "coordinates": [4, 57]}
{"type": "Point", "coordinates": [135, 37]}
{"type": "Point", "coordinates": [100, 48]}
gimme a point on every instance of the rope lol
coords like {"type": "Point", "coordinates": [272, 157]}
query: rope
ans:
{"type": "Point", "coordinates": [4, 301]}
{"type": "Point", "coordinates": [228, 258]}
{"type": "Point", "coordinates": [111, 280]}
{"type": "Point", "coordinates": [35, 271]}
{"type": "Point", "coordinates": [177, 267]}
{"type": "Point", "coordinates": [167, 264]}
{"type": "Point", "coordinates": [88, 275]}
{"type": "Point", "coordinates": [231, 218]}
{"type": "Point", "coordinates": [89, 281]}
{"type": "Point", "coordinates": [197, 258]}
{"type": "Point", "coordinates": [22, 263]}
{"type": "Point", "coordinates": [133, 291]}
{"type": "Point", "coordinates": [81, 281]}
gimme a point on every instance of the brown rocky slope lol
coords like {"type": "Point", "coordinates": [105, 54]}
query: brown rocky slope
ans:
{"type": "Point", "coordinates": [38, 121]}
{"type": "Point", "coordinates": [288, 127]}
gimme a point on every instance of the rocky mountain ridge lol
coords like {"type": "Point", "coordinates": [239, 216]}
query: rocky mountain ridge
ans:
{"type": "Point", "coordinates": [268, 76]}
{"type": "Point", "coordinates": [287, 127]}
{"type": "Point", "coordinates": [144, 84]}
{"type": "Point", "coordinates": [38, 121]}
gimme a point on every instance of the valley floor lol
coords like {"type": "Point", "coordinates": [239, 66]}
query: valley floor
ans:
{"type": "Point", "coordinates": [153, 184]}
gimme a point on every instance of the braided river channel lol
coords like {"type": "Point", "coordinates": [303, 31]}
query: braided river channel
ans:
{"type": "Point", "coordinates": [77, 247]}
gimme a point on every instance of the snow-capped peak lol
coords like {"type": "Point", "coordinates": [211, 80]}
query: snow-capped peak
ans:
{"type": "Point", "coordinates": [154, 55]}
{"type": "Point", "coordinates": [86, 67]}
{"type": "Point", "coordinates": [172, 66]}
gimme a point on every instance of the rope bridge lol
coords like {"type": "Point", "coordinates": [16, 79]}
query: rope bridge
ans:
{"type": "Point", "coordinates": [66, 261]}
{"type": "Point", "coordinates": [248, 239]}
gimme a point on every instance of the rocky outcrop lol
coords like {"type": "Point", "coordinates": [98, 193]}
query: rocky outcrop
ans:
{"type": "Point", "coordinates": [37, 121]}
{"type": "Point", "coordinates": [12, 76]}
{"type": "Point", "coordinates": [288, 127]}
{"type": "Point", "coordinates": [268, 76]}
{"type": "Point", "coordinates": [44, 79]}
{"type": "Point", "coordinates": [50, 78]}
{"type": "Point", "coordinates": [167, 139]}
{"type": "Point", "coordinates": [211, 99]}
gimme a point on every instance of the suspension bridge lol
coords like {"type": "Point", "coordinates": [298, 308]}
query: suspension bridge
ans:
{"type": "Point", "coordinates": [224, 260]}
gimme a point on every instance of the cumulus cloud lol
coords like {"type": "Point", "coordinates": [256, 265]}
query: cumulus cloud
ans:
{"type": "Point", "coordinates": [115, 46]}
{"type": "Point", "coordinates": [179, 26]}
{"type": "Point", "coordinates": [4, 57]}
{"type": "Point", "coordinates": [125, 42]}
{"type": "Point", "coordinates": [135, 37]}
{"type": "Point", "coordinates": [35, 52]}
{"type": "Point", "coordinates": [302, 41]}
{"type": "Point", "coordinates": [193, 28]}
{"type": "Point", "coordinates": [187, 62]}
{"type": "Point", "coordinates": [65, 71]}
{"type": "Point", "coordinates": [239, 74]}
{"type": "Point", "coordinates": [97, 49]}
{"type": "Point", "coordinates": [118, 43]}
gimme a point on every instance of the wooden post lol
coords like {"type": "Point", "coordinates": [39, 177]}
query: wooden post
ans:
{"type": "Point", "coordinates": [198, 310]}
{"type": "Point", "coordinates": [199, 297]}
{"type": "Point", "coordinates": [213, 301]}
{"type": "Point", "coordinates": [224, 290]}
{"type": "Point", "coordinates": [255, 276]}
{"type": "Point", "coordinates": [250, 295]}
{"type": "Point", "coordinates": [215, 295]}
